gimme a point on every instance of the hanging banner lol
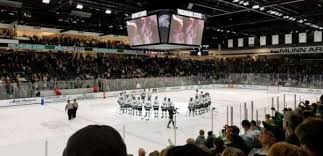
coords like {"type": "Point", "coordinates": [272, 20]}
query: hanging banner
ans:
{"type": "Point", "coordinates": [251, 41]}
{"type": "Point", "coordinates": [318, 36]}
{"type": "Point", "coordinates": [302, 37]}
{"type": "Point", "coordinates": [230, 43]}
{"type": "Point", "coordinates": [263, 40]}
{"type": "Point", "coordinates": [275, 39]}
{"type": "Point", "coordinates": [240, 42]}
{"type": "Point", "coordinates": [288, 39]}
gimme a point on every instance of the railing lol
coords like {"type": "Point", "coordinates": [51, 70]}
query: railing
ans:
{"type": "Point", "coordinates": [27, 89]}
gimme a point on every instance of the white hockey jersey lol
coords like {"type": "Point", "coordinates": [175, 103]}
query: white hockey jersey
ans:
{"type": "Point", "coordinates": [156, 103]}
{"type": "Point", "coordinates": [164, 104]}
{"type": "Point", "coordinates": [148, 104]}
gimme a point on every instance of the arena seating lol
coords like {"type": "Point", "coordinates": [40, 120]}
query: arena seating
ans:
{"type": "Point", "coordinates": [68, 66]}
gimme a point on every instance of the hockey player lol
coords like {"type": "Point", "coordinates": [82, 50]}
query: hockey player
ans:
{"type": "Point", "coordinates": [170, 103]}
{"type": "Point", "coordinates": [69, 108]}
{"type": "Point", "coordinates": [202, 103]}
{"type": "Point", "coordinates": [143, 95]}
{"type": "Point", "coordinates": [156, 107]}
{"type": "Point", "coordinates": [127, 104]}
{"type": "Point", "coordinates": [171, 112]}
{"type": "Point", "coordinates": [197, 93]}
{"type": "Point", "coordinates": [208, 101]}
{"type": "Point", "coordinates": [133, 105]}
{"type": "Point", "coordinates": [136, 105]}
{"type": "Point", "coordinates": [197, 105]}
{"type": "Point", "coordinates": [164, 108]}
{"type": "Point", "coordinates": [201, 94]}
{"type": "Point", "coordinates": [121, 101]}
{"type": "Point", "coordinates": [191, 107]}
{"type": "Point", "coordinates": [75, 107]}
{"type": "Point", "coordinates": [139, 106]}
{"type": "Point", "coordinates": [148, 108]}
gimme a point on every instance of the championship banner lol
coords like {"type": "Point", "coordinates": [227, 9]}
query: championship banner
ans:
{"type": "Point", "coordinates": [263, 40]}
{"type": "Point", "coordinates": [288, 39]}
{"type": "Point", "coordinates": [230, 43]}
{"type": "Point", "coordinates": [251, 41]}
{"type": "Point", "coordinates": [275, 39]}
{"type": "Point", "coordinates": [302, 37]}
{"type": "Point", "coordinates": [318, 36]}
{"type": "Point", "coordinates": [240, 42]}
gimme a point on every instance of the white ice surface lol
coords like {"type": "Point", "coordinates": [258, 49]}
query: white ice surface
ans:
{"type": "Point", "coordinates": [24, 129]}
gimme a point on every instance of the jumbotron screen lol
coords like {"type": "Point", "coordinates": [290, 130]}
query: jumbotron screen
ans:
{"type": "Point", "coordinates": [186, 30]}
{"type": "Point", "coordinates": [143, 31]}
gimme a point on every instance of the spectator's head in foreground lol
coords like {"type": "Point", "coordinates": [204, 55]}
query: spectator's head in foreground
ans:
{"type": "Point", "coordinates": [285, 149]}
{"type": "Point", "coordinates": [141, 152]}
{"type": "Point", "coordinates": [271, 135]}
{"type": "Point", "coordinates": [187, 150]}
{"type": "Point", "coordinates": [231, 151]}
{"type": "Point", "coordinates": [95, 140]}
{"type": "Point", "coordinates": [311, 136]}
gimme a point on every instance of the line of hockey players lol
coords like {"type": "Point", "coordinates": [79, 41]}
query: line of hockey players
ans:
{"type": "Point", "coordinates": [144, 105]}
{"type": "Point", "coordinates": [200, 104]}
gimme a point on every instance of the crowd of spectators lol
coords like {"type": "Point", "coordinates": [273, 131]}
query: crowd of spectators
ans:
{"type": "Point", "coordinates": [288, 133]}
{"type": "Point", "coordinates": [35, 66]}
{"type": "Point", "coordinates": [65, 40]}
{"type": "Point", "coordinates": [44, 69]}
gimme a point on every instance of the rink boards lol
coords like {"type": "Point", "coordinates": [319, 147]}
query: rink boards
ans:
{"type": "Point", "coordinates": [61, 98]}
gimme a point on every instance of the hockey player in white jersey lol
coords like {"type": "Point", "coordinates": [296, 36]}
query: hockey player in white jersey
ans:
{"type": "Point", "coordinates": [148, 108]}
{"type": "Point", "coordinates": [191, 107]}
{"type": "Point", "coordinates": [196, 93]}
{"type": "Point", "coordinates": [128, 104]}
{"type": "Point", "coordinates": [164, 108]}
{"type": "Point", "coordinates": [203, 103]}
{"type": "Point", "coordinates": [201, 94]}
{"type": "Point", "coordinates": [133, 103]}
{"type": "Point", "coordinates": [143, 95]}
{"type": "Point", "coordinates": [197, 105]}
{"type": "Point", "coordinates": [139, 106]}
{"type": "Point", "coordinates": [208, 101]}
{"type": "Point", "coordinates": [121, 101]}
{"type": "Point", "coordinates": [156, 107]}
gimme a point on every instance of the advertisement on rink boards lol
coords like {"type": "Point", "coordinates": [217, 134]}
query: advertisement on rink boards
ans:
{"type": "Point", "coordinates": [62, 98]}
{"type": "Point", "coordinates": [19, 102]}
{"type": "Point", "coordinates": [250, 87]}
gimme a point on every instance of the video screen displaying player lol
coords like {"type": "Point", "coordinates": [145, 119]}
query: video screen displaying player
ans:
{"type": "Point", "coordinates": [143, 31]}
{"type": "Point", "coordinates": [186, 30]}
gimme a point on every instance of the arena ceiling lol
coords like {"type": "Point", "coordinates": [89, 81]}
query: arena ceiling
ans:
{"type": "Point", "coordinates": [225, 18]}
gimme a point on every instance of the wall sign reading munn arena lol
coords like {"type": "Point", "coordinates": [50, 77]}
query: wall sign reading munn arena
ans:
{"type": "Point", "coordinates": [297, 50]}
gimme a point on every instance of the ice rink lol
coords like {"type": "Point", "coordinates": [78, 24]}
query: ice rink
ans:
{"type": "Point", "coordinates": [25, 130]}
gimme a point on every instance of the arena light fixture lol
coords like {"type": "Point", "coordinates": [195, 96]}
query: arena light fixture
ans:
{"type": "Point", "coordinates": [108, 11]}
{"type": "Point", "coordinates": [241, 2]}
{"type": "Point", "coordinates": [262, 8]}
{"type": "Point", "coordinates": [46, 1]}
{"type": "Point", "coordinates": [235, 1]}
{"type": "Point", "coordinates": [246, 3]}
{"type": "Point", "coordinates": [79, 6]}
{"type": "Point", "coordinates": [286, 17]}
{"type": "Point", "coordinates": [255, 7]}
